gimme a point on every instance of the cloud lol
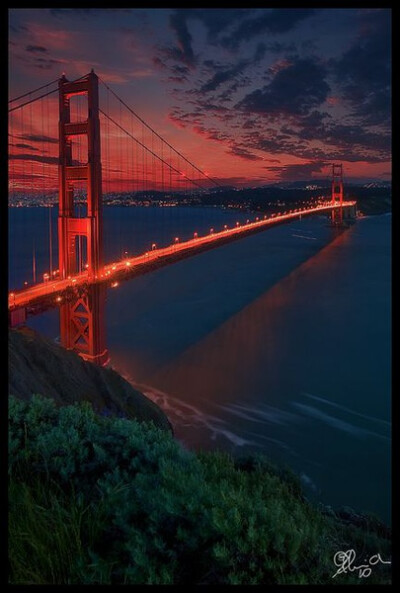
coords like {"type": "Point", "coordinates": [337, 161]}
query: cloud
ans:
{"type": "Point", "coordinates": [293, 90]}
{"type": "Point", "coordinates": [222, 77]}
{"type": "Point", "coordinates": [299, 171]}
{"type": "Point", "coordinates": [36, 49]}
{"type": "Point", "coordinates": [25, 146]}
{"type": "Point", "coordinates": [50, 160]}
{"type": "Point", "coordinates": [276, 20]}
{"type": "Point", "coordinates": [38, 138]}
{"type": "Point", "coordinates": [46, 63]}
{"type": "Point", "coordinates": [87, 12]}
{"type": "Point", "coordinates": [178, 23]}
{"type": "Point", "coordinates": [363, 72]}
{"type": "Point", "coordinates": [243, 153]}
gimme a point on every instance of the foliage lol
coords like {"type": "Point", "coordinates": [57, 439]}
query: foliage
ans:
{"type": "Point", "coordinates": [99, 500]}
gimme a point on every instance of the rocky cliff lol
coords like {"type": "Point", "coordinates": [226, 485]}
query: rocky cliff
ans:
{"type": "Point", "coordinates": [40, 366]}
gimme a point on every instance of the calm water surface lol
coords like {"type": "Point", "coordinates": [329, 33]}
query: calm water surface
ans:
{"type": "Point", "coordinates": [279, 343]}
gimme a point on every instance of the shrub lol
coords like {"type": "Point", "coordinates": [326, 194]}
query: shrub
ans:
{"type": "Point", "coordinates": [99, 500]}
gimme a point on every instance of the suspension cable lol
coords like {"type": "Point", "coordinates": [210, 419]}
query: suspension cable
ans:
{"type": "Point", "coordinates": [148, 149]}
{"type": "Point", "coordinates": [35, 91]}
{"type": "Point", "coordinates": [158, 135]}
{"type": "Point", "coordinates": [32, 100]}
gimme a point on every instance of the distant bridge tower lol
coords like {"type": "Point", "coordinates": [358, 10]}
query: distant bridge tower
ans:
{"type": "Point", "coordinates": [81, 321]}
{"type": "Point", "coordinates": [337, 193]}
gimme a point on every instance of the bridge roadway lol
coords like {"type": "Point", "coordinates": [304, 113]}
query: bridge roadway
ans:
{"type": "Point", "coordinates": [155, 258]}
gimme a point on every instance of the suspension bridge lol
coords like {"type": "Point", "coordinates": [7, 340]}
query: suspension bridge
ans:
{"type": "Point", "coordinates": [103, 149]}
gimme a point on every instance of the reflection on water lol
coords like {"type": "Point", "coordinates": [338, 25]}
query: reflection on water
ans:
{"type": "Point", "coordinates": [300, 372]}
{"type": "Point", "coordinates": [279, 343]}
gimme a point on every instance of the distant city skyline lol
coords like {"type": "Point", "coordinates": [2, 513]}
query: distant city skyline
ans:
{"type": "Point", "coordinates": [252, 96]}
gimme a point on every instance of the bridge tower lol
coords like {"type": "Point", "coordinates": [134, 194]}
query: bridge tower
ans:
{"type": "Point", "coordinates": [81, 321]}
{"type": "Point", "coordinates": [337, 194]}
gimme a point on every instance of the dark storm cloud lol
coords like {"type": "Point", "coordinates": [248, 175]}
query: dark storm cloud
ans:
{"type": "Point", "coordinates": [294, 90]}
{"type": "Point", "coordinates": [364, 71]}
{"type": "Point", "coordinates": [337, 142]}
{"type": "Point", "coordinates": [178, 22]}
{"type": "Point", "coordinates": [297, 172]}
{"type": "Point", "coordinates": [276, 20]}
{"type": "Point", "coordinates": [215, 21]}
{"type": "Point", "coordinates": [36, 49]}
{"type": "Point", "coordinates": [38, 138]}
{"type": "Point", "coordinates": [223, 76]}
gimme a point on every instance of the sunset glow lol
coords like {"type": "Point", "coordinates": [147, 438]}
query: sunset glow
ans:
{"type": "Point", "coordinates": [250, 96]}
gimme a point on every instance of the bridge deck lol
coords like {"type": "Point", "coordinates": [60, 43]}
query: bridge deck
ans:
{"type": "Point", "coordinates": [153, 259]}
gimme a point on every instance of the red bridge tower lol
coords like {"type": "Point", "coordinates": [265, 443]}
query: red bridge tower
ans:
{"type": "Point", "coordinates": [337, 194]}
{"type": "Point", "coordinates": [82, 321]}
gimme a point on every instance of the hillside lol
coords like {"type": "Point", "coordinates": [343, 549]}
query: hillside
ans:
{"type": "Point", "coordinates": [38, 365]}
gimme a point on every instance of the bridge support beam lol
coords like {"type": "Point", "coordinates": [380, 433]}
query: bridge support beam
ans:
{"type": "Point", "coordinates": [82, 325]}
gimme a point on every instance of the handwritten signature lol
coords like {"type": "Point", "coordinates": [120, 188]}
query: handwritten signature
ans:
{"type": "Point", "coordinates": [345, 562]}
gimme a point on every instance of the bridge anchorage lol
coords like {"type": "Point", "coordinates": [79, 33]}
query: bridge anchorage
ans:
{"type": "Point", "coordinates": [80, 295]}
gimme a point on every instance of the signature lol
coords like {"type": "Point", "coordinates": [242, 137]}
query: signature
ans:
{"type": "Point", "coordinates": [345, 562]}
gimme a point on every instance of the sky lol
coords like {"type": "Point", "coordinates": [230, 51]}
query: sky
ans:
{"type": "Point", "coordinates": [251, 96]}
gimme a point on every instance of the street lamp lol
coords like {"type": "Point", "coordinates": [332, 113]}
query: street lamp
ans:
{"type": "Point", "coordinates": [153, 246]}
{"type": "Point", "coordinates": [195, 235]}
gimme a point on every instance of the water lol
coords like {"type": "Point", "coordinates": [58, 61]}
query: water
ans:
{"type": "Point", "coordinates": [278, 343]}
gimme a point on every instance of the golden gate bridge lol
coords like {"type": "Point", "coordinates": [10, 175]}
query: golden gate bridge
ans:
{"type": "Point", "coordinates": [133, 156]}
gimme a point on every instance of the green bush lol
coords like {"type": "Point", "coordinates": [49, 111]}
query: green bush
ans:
{"type": "Point", "coordinates": [98, 500]}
